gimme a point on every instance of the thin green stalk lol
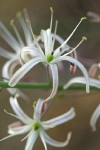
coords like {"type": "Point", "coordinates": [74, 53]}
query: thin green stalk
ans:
{"type": "Point", "coordinates": [25, 85]}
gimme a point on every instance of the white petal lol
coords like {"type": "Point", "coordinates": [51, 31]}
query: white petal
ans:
{"type": "Point", "coordinates": [60, 119]}
{"type": "Point", "coordinates": [6, 54]}
{"type": "Point", "coordinates": [94, 118]}
{"type": "Point", "coordinates": [54, 143]}
{"type": "Point", "coordinates": [7, 72]}
{"type": "Point", "coordinates": [82, 68]}
{"type": "Point", "coordinates": [54, 71]}
{"type": "Point", "coordinates": [43, 139]}
{"type": "Point", "coordinates": [16, 108]}
{"type": "Point", "coordinates": [47, 39]}
{"type": "Point", "coordinates": [81, 80]}
{"type": "Point", "coordinates": [38, 109]}
{"type": "Point", "coordinates": [19, 130]}
{"type": "Point", "coordinates": [31, 140]}
{"type": "Point", "coordinates": [9, 67]}
{"type": "Point", "coordinates": [28, 36]}
{"type": "Point", "coordinates": [7, 36]}
{"type": "Point", "coordinates": [44, 38]}
{"type": "Point", "coordinates": [22, 131]}
{"type": "Point", "coordinates": [23, 70]}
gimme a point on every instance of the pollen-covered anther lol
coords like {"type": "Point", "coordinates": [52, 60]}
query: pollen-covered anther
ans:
{"type": "Point", "coordinates": [84, 38]}
{"type": "Point", "coordinates": [83, 18]}
{"type": "Point", "coordinates": [12, 22]}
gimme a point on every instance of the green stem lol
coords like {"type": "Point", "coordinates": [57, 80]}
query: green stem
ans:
{"type": "Point", "coordinates": [24, 85]}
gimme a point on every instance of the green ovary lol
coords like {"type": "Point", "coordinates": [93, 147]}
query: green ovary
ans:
{"type": "Point", "coordinates": [50, 57]}
{"type": "Point", "coordinates": [36, 126]}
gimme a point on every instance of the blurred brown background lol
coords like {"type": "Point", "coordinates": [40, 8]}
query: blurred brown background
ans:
{"type": "Point", "coordinates": [68, 13]}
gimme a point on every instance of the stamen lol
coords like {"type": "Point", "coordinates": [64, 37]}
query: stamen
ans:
{"type": "Point", "coordinates": [71, 33]}
{"type": "Point", "coordinates": [17, 33]}
{"type": "Point", "coordinates": [56, 25]}
{"type": "Point", "coordinates": [51, 9]}
{"type": "Point", "coordinates": [83, 39]}
{"type": "Point", "coordinates": [26, 136]}
{"type": "Point", "coordinates": [36, 42]}
{"type": "Point", "coordinates": [11, 114]}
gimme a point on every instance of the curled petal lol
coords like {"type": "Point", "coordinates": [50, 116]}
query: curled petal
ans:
{"type": "Point", "coordinates": [60, 119]}
{"type": "Point", "coordinates": [23, 70]}
{"type": "Point", "coordinates": [94, 118]}
{"type": "Point", "coordinates": [82, 68]}
{"type": "Point", "coordinates": [54, 71]}
{"type": "Point", "coordinates": [54, 143]}
{"type": "Point", "coordinates": [15, 106]}
{"type": "Point", "coordinates": [7, 72]}
{"type": "Point", "coordinates": [81, 80]}
{"type": "Point", "coordinates": [19, 130]}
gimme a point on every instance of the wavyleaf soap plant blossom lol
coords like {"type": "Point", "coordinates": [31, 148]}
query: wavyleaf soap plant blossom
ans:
{"type": "Point", "coordinates": [36, 127]}
{"type": "Point", "coordinates": [17, 43]}
{"type": "Point", "coordinates": [94, 118]}
{"type": "Point", "coordinates": [49, 57]}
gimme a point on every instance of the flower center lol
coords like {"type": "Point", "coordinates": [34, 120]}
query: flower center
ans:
{"type": "Point", "coordinates": [36, 126]}
{"type": "Point", "coordinates": [50, 57]}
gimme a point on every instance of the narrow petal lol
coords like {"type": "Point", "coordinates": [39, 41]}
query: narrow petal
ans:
{"type": "Point", "coordinates": [31, 140]}
{"type": "Point", "coordinates": [6, 54]}
{"type": "Point", "coordinates": [23, 70]}
{"type": "Point", "coordinates": [54, 143]}
{"type": "Point", "coordinates": [94, 118]}
{"type": "Point", "coordinates": [9, 68]}
{"type": "Point", "coordinates": [28, 36]}
{"type": "Point", "coordinates": [38, 109]}
{"type": "Point", "coordinates": [16, 108]}
{"type": "Point", "coordinates": [82, 68]}
{"type": "Point", "coordinates": [81, 80]}
{"type": "Point", "coordinates": [19, 130]}
{"type": "Point", "coordinates": [43, 139]}
{"type": "Point", "coordinates": [54, 71]}
{"type": "Point", "coordinates": [7, 36]}
{"type": "Point", "coordinates": [60, 119]}
{"type": "Point", "coordinates": [7, 72]}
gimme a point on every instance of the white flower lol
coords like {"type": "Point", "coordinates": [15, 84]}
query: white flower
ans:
{"type": "Point", "coordinates": [49, 57]}
{"type": "Point", "coordinates": [94, 118]}
{"type": "Point", "coordinates": [16, 58]}
{"type": "Point", "coordinates": [35, 126]}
